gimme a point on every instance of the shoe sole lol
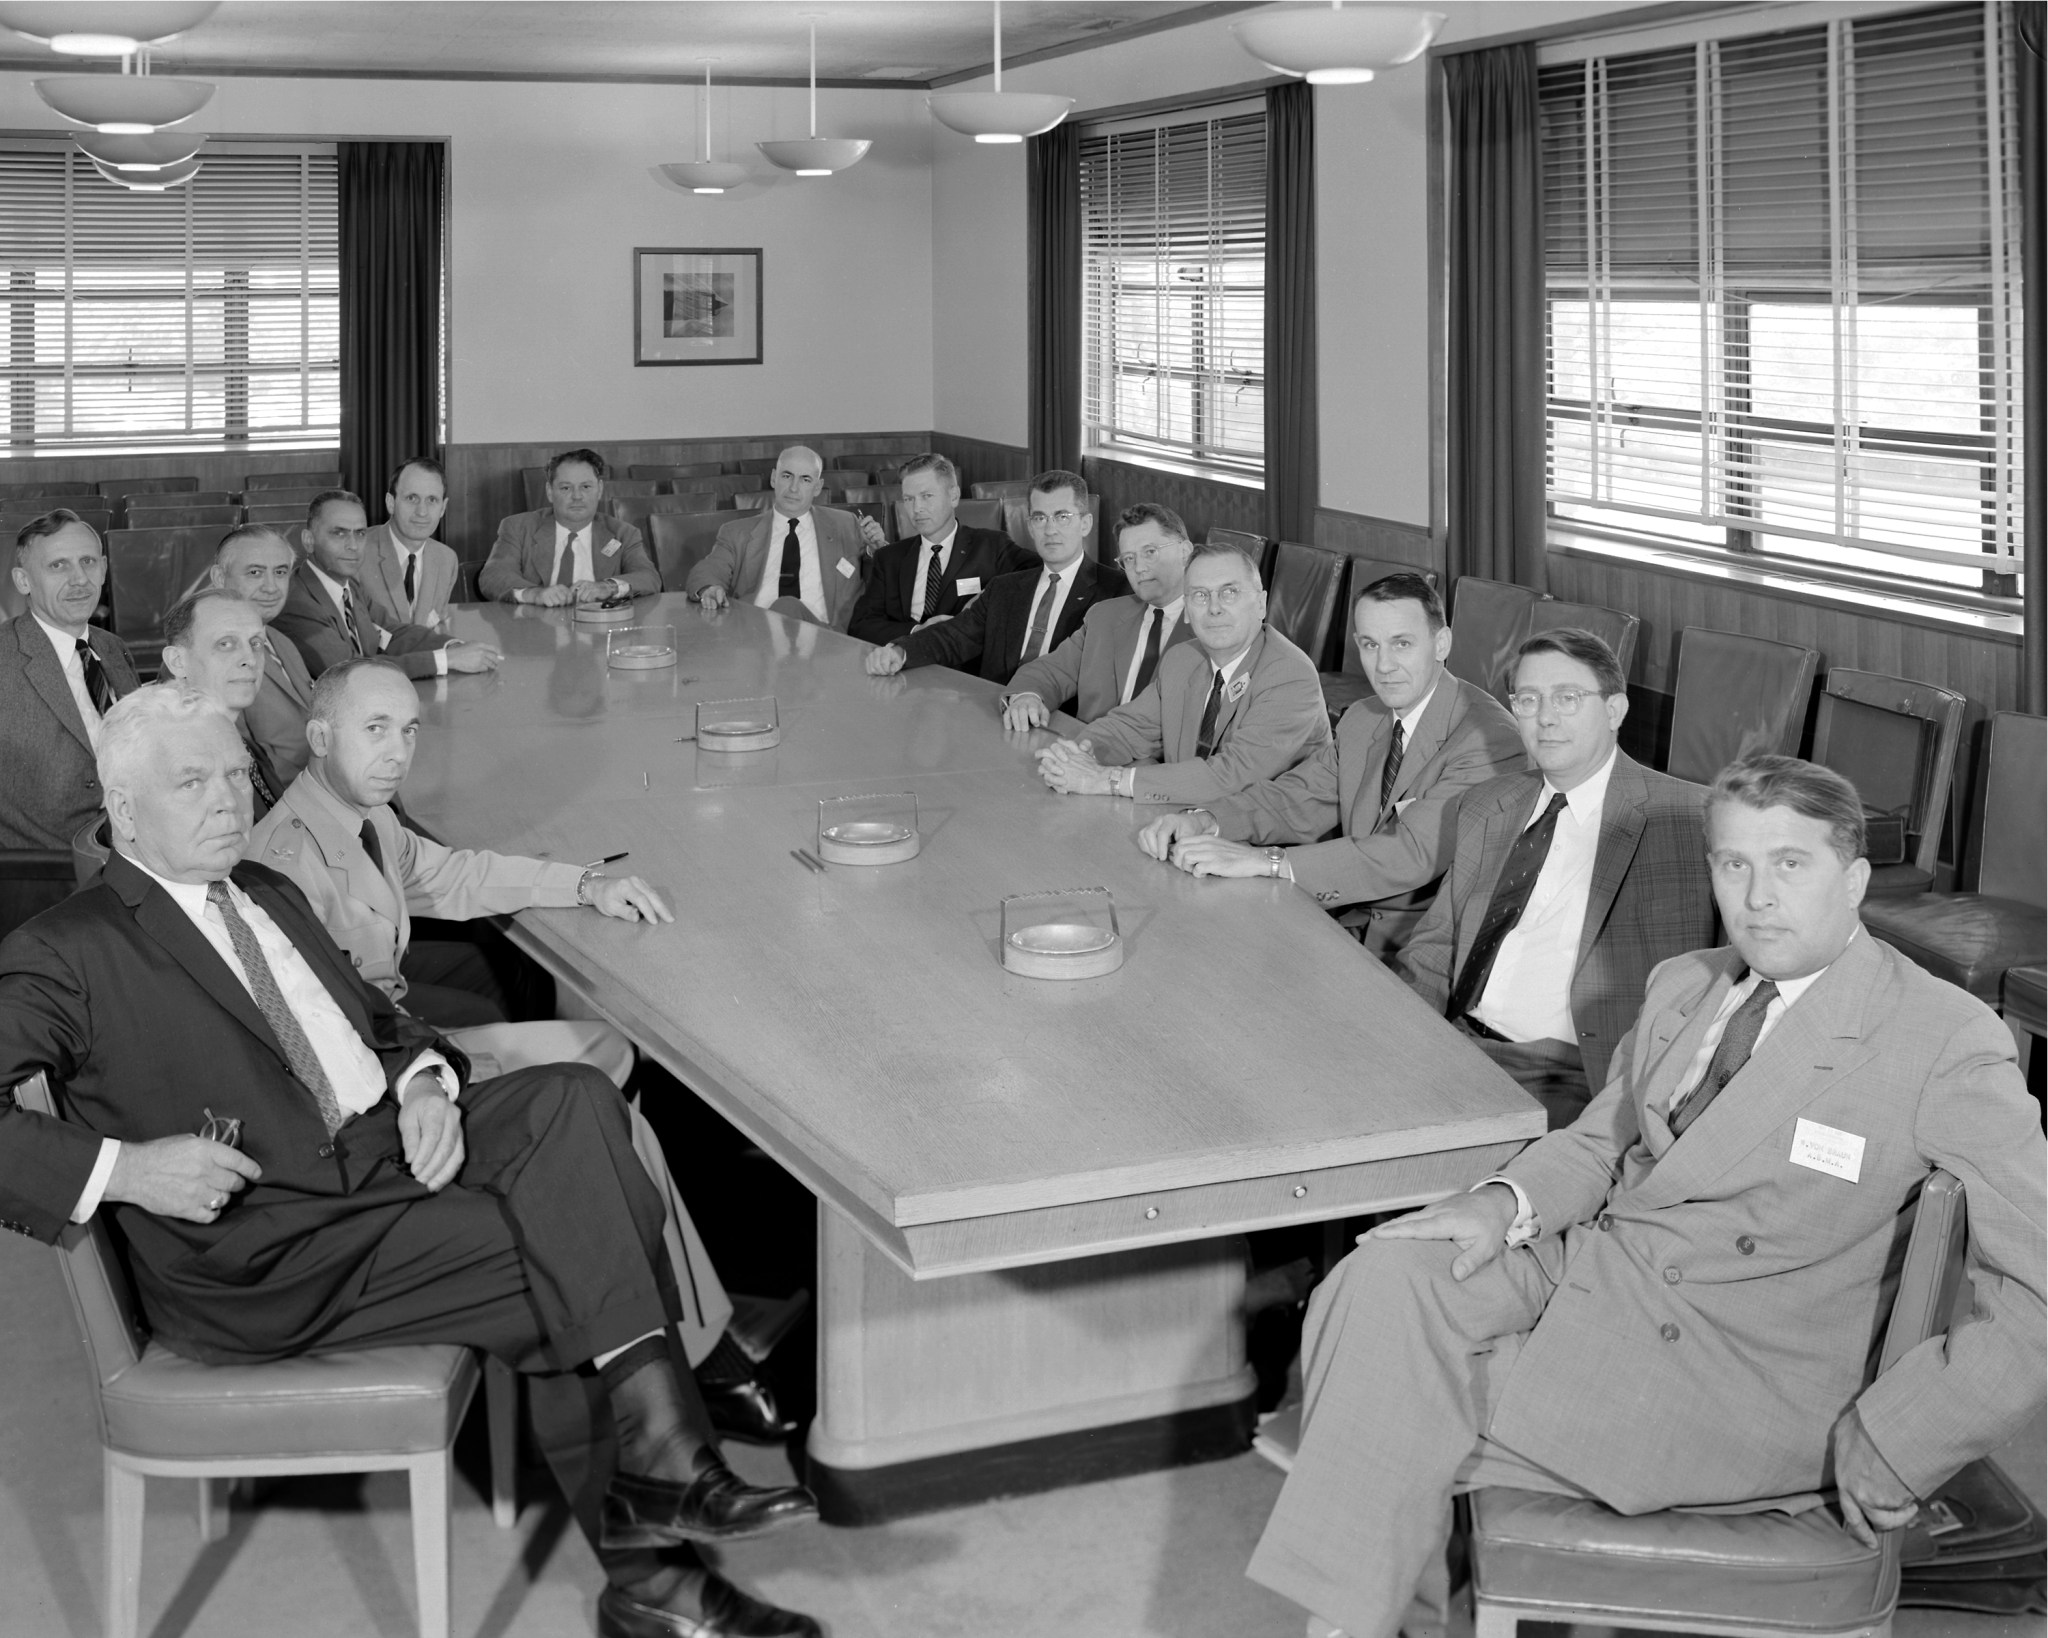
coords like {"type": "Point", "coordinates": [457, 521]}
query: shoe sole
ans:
{"type": "Point", "coordinates": [650, 1535]}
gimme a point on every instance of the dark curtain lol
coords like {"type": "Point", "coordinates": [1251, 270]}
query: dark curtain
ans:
{"type": "Point", "coordinates": [1493, 252]}
{"type": "Point", "coordinates": [390, 206]}
{"type": "Point", "coordinates": [2033, 276]}
{"type": "Point", "coordinates": [1292, 486]}
{"type": "Point", "coordinates": [1053, 209]}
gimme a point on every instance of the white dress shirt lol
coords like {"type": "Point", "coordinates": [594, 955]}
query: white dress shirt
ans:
{"type": "Point", "coordinates": [345, 599]}
{"type": "Point", "coordinates": [809, 579]}
{"type": "Point", "coordinates": [408, 554]}
{"type": "Point", "coordinates": [1063, 579]}
{"type": "Point", "coordinates": [580, 561]}
{"type": "Point", "coordinates": [1169, 617]}
{"type": "Point", "coordinates": [73, 668]}
{"type": "Point", "coordinates": [919, 599]}
{"type": "Point", "coordinates": [1411, 719]}
{"type": "Point", "coordinates": [1528, 994]}
{"type": "Point", "coordinates": [353, 1070]}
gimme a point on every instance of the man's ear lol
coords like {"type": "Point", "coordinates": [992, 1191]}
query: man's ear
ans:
{"type": "Point", "coordinates": [176, 667]}
{"type": "Point", "coordinates": [319, 735]}
{"type": "Point", "coordinates": [120, 813]}
{"type": "Point", "coordinates": [1443, 644]}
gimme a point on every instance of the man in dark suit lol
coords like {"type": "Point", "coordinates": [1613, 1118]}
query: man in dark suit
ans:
{"type": "Point", "coordinates": [1568, 886]}
{"type": "Point", "coordinates": [330, 621]}
{"type": "Point", "coordinates": [1025, 614]}
{"type": "Point", "coordinates": [58, 676]}
{"type": "Point", "coordinates": [255, 563]}
{"type": "Point", "coordinates": [569, 551]}
{"type": "Point", "coordinates": [1371, 819]}
{"type": "Point", "coordinates": [935, 573]}
{"type": "Point", "coordinates": [371, 1194]}
{"type": "Point", "coordinates": [799, 556]}
{"type": "Point", "coordinates": [1110, 660]}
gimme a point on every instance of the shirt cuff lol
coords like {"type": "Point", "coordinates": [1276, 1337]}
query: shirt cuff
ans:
{"type": "Point", "coordinates": [96, 1185]}
{"type": "Point", "coordinates": [1525, 1227]}
{"type": "Point", "coordinates": [432, 1063]}
{"type": "Point", "coordinates": [440, 662]}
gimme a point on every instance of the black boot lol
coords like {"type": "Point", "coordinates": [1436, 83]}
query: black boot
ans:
{"type": "Point", "coordinates": [672, 1595]}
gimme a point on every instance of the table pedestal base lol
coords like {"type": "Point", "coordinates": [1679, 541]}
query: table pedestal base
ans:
{"type": "Point", "coordinates": [942, 1392]}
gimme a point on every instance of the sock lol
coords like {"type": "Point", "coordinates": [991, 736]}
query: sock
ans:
{"type": "Point", "coordinates": [664, 1432]}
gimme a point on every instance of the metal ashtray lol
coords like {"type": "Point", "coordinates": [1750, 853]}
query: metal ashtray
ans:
{"type": "Point", "coordinates": [605, 614]}
{"type": "Point", "coordinates": [868, 830]}
{"type": "Point", "coordinates": [1070, 933]}
{"type": "Point", "coordinates": [639, 648]}
{"type": "Point", "coordinates": [738, 725]}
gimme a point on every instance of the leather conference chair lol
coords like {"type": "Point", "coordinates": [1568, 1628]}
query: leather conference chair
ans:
{"type": "Point", "coordinates": [889, 496]}
{"type": "Point", "coordinates": [92, 844]}
{"type": "Point", "coordinates": [632, 486]}
{"type": "Point", "coordinates": [1000, 489]}
{"type": "Point", "coordinates": [2024, 1004]}
{"type": "Point", "coordinates": [680, 539]}
{"type": "Point", "coordinates": [370, 1410]}
{"type": "Point", "coordinates": [1259, 548]}
{"type": "Point", "coordinates": [147, 571]}
{"type": "Point", "coordinates": [844, 477]}
{"type": "Point", "coordinates": [1489, 619]}
{"type": "Point", "coordinates": [465, 584]}
{"type": "Point", "coordinates": [47, 490]}
{"type": "Point", "coordinates": [748, 500]}
{"type": "Point", "coordinates": [1348, 684]}
{"type": "Point", "coordinates": [759, 466]}
{"type": "Point", "coordinates": [1736, 696]}
{"type": "Point", "coordinates": [277, 517]}
{"type": "Point", "coordinates": [15, 518]}
{"type": "Point", "coordinates": [534, 485]}
{"type": "Point", "coordinates": [115, 488]}
{"type": "Point", "coordinates": [1301, 596]}
{"type": "Point", "coordinates": [31, 880]}
{"type": "Point", "coordinates": [315, 481]}
{"type": "Point", "coordinates": [299, 495]}
{"type": "Point", "coordinates": [1974, 939]}
{"type": "Point", "coordinates": [220, 516]}
{"type": "Point", "coordinates": [980, 513]}
{"type": "Point", "coordinates": [688, 469]}
{"type": "Point", "coordinates": [1614, 628]}
{"type": "Point", "coordinates": [1895, 741]}
{"type": "Point", "coordinates": [1538, 1557]}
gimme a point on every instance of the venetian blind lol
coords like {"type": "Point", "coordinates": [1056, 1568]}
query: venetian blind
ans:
{"type": "Point", "coordinates": [1173, 288]}
{"type": "Point", "coordinates": [202, 317]}
{"type": "Point", "coordinates": [1784, 293]}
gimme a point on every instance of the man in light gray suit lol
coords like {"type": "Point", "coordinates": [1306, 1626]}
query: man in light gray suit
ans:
{"type": "Point", "coordinates": [1672, 1301]}
{"type": "Point", "coordinates": [569, 551]}
{"type": "Point", "coordinates": [1238, 705]}
{"type": "Point", "coordinates": [255, 563]}
{"type": "Point", "coordinates": [1111, 659]}
{"type": "Point", "coordinates": [817, 552]}
{"type": "Point", "coordinates": [406, 575]}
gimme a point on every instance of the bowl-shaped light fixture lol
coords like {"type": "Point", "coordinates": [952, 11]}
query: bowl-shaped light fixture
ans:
{"type": "Point", "coordinates": [705, 175]}
{"type": "Point", "coordinates": [815, 155]}
{"type": "Point", "coordinates": [141, 154]}
{"type": "Point", "coordinates": [124, 104]}
{"type": "Point", "coordinates": [171, 176]}
{"type": "Point", "coordinates": [111, 28]}
{"type": "Point", "coordinates": [1337, 44]}
{"type": "Point", "coordinates": [998, 115]}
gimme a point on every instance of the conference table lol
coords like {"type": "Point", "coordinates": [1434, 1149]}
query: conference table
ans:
{"type": "Point", "coordinates": [1032, 1193]}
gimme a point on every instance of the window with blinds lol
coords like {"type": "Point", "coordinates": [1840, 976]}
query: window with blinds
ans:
{"type": "Point", "coordinates": [1784, 296]}
{"type": "Point", "coordinates": [204, 317]}
{"type": "Point", "coordinates": [1173, 271]}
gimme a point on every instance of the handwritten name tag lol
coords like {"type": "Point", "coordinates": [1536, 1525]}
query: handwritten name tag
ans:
{"type": "Point", "coordinates": [846, 568]}
{"type": "Point", "coordinates": [611, 549]}
{"type": "Point", "coordinates": [968, 587]}
{"type": "Point", "coordinates": [1823, 1149]}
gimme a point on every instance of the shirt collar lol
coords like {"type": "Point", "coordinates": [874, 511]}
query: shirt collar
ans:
{"type": "Point", "coordinates": [1231, 670]}
{"type": "Point", "coordinates": [562, 532]}
{"type": "Point", "coordinates": [1171, 611]}
{"type": "Point", "coordinates": [1789, 989]}
{"type": "Point", "coordinates": [1586, 798]}
{"type": "Point", "coordinates": [61, 640]}
{"type": "Point", "coordinates": [1411, 718]}
{"type": "Point", "coordinates": [335, 588]}
{"type": "Point", "coordinates": [943, 542]}
{"type": "Point", "coordinates": [317, 802]}
{"type": "Point", "coordinates": [190, 896]}
{"type": "Point", "coordinates": [405, 547]}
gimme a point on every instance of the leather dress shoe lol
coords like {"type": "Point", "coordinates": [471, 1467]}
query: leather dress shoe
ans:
{"type": "Point", "coordinates": [724, 1612]}
{"type": "Point", "coordinates": [717, 1505]}
{"type": "Point", "coordinates": [746, 1410]}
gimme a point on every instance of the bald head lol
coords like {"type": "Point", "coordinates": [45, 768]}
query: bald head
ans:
{"type": "Point", "coordinates": [796, 480]}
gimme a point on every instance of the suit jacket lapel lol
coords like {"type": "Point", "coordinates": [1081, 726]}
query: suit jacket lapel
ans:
{"type": "Point", "coordinates": [1428, 738]}
{"type": "Point", "coordinates": [1508, 819]}
{"type": "Point", "coordinates": [1229, 711]}
{"type": "Point", "coordinates": [158, 915]}
{"type": "Point", "coordinates": [47, 677]}
{"type": "Point", "coordinates": [1622, 820]}
{"type": "Point", "coordinates": [314, 947]}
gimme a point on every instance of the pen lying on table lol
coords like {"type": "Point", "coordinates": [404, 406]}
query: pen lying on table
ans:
{"type": "Point", "coordinates": [609, 858]}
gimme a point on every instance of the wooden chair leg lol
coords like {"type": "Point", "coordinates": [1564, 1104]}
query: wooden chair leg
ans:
{"type": "Point", "coordinates": [429, 1475]}
{"type": "Point", "coordinates": [124, 1503]}
{"type": "Point", "coordinates": [501, 1408]}
{"type": "Point", "coordinates": [1491, 1621]}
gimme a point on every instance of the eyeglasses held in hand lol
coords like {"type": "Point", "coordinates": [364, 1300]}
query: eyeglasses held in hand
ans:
{"type": "Point", "coordinates": [219, 1129]}
{"type": "Point", "coordinates": [1564, 701]}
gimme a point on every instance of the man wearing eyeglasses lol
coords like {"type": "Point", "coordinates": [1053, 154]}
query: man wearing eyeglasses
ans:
{"type": "Point", "coordinates": [215, 641]}
{"type": "Point", "coordinates": [796, 554]}
{"type": "Point", "coordinates": [255, 563]}
{"type": "Point", "coordinates": [1023, 615]}
{"type": "Point", "coordinates": [1238, 705]}
{"type": "Point", "coordinates": [1111, 659]}
{"type": "Point", "coordinates": [1390, 781]}
{"type": "Point", "coordinates": [934, 574]}
{"type": "Point", "coordinates": [1569, 885]}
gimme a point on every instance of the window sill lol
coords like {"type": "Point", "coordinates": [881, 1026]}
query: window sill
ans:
{"type": "Point", "coordinates": [1727, 569]}
{"type": "Point", "coordinates": [1183, 469]}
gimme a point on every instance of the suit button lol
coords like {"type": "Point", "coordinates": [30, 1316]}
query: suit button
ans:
{"type": "Point", "coordinates": [358, 960]}
{"type": "Point", "coordinates": [1672, 1276]}
{"type": "Point", "coordinates": [1668, 1332]}
{"type": "Point", "coordinates": [1746, 1246]}
{"type": "Point", "coordinates": [1606, 1223]}
{"type": "Point", "coordinates": [326, 1151]}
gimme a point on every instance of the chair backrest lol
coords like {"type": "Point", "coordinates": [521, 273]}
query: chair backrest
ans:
{"type": "Point", "coordinates": [2013, 856]}
{"type": "Point", "coordinates": [31, 880]}
{"type": "Point", "coordinates": [285, 516]}
{"type": "Point", "coordinates": [1895, 741]}
{"type": "Point", "coordinates": [688, 469]}
{"type": "Point", "coordinates": [844, 477]}
{"type": "Point", "coordinates": [680, 539]}
{"type": "Point", "coordinates": [1614, 628]}
{"type": "Point", "coordinates": [16, 517]}
{"type": "Point", "coordinates": [181, 517]}
{"type": "Point", "coordinates": [534, 485]}
{"type": "Point", "coordinates": [147, 571]}
{"type": "Point", "coordinates": [312, 482]}
{"type": "Point", "coordinates": [1736, 696]}
{"type": "Point", "coordinates": [690, 501]}
{"type": "Point", "coordinates": [1364, 571]}
{"type": "Point", "coordinates": [302, 497]}
{"type": "Point", "coordinates": [46, 489]}
{"type": "Point", "coordinates": [113, 487]}
{"type": "Point", "coordinates": [633, 486]}
{"type": "Point", "coordinates": [980, 514]}
{"type": "Point", "coordinates": [1254, 544]}
{"type": "Point", "coordinates": [1000, 489]}
{"type": "Point", "coordinates": [1489, 619]}
{"type": "Point", "coordinates": [1301, 598]}
{"type": "Point", "coordinates": [730, 483]}
{"type": "Point", "coordinates": [746, 500]}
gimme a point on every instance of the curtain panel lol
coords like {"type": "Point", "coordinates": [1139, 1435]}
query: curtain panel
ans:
{"type": "Point", "coordinates": [390, 205]}
{"type": "Point", "coordinates": [1292, 478]}
{"type": "Point", "coordinates": [1053, 210]}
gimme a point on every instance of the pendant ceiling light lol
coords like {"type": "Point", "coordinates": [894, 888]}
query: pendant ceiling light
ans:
{"type": "Point", "coordinates": [171, 176]}
{"type": "Point", "coordinates": [706, 175]}
{"type": "Point", "coordinates": [111, 28]}
{"type": "Point", "coordinates": [124, 104]}
{"type": "Point", "coordinates": [1337, 44]}
{"type": "Point", "coordinates": [140, 155]}
{"type": "Point", "coordinates": [815, 155]}
{"type": "Point", "coordinates": [998, 115]}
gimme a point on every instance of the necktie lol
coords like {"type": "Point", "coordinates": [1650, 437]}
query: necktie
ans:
{"type": "Point", "coordinates": [565, 566]}
{"type": "Point", "coordinates": [412, 585]}
{"type": "Point", "coordinates": [792, 583]}
{"type": "Point", "coordinates": [99, 687]}
{"type": "Point", "coordinates": [1510, 898]}
{"type": "Point", "coordinates": [1392, 771]}
{"type": "Point", "coordinates": [1205, 740]}
{"type": "Point", "coordinates": [1154, 619]}
{"type": "Point", "coordinates": [277, 1012]}
{"type": "Point", "coordinates": [372, 847]}
{"type": "Point", "coordinates": [1738, 1041]}
{"type": "Point", "coordinates": [257, 780]}
{"type": "Point", "coordinates": [348, 618]}
{"type": "Point", "coordinates": [928, 600]}
{"type": "Point", "coordinates": [1034, 643]}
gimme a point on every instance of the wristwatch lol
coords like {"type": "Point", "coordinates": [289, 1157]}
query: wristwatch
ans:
{"type": "Point", "coordinates": [1275, 857]}
{"type": "Point", "coordinates": [585, 892]}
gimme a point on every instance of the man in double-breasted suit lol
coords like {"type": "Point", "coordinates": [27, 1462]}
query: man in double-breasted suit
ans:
{"type": "Point", "coordinates": [1026, 614]}
{"type": "Point", "coordinates": [406, 575]}
{"type": "Point", "coordinates": [1568, 886]}
{"type": "Point", "coordinates": [569, 551]}
{"type": "Point", "coordinates": [1111, 659]}
{"type": "Point", "coordinates": [1370, 819]}
{"type": "Point", "coordinates": [58, 675]}
{"type": "Point", "coordinates": [256, 564]}
{"type": "Point", "coordinates": [805, 557]}
{"type": "Point", "coordinates": [1673, 1301]}
{"type": "Point", "coordinates": [935, 573]}
{"type": "Point", "coordinates": [1239, 704]}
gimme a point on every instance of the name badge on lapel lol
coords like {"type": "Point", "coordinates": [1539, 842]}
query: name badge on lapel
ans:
{"type": "Point", "coordinates": [1235, 691]}
{"type": "Point", "coordinates": [1823, 1149]}
{"type": "Point", "coordinates": [968, 587]}
{"type": "Point", "coordinates": [611, 549]}
{"type": "Point", "coordinates": [846, 568]}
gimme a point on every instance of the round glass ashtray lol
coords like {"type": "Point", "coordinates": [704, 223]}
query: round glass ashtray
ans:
{"type": "Point", "coordinates": [740, 734]}
{"type": "Point", "coordinates": [640, 656]}
{"type": "Point", "coordinates": [1063, 949]}
{"type": "Point", "coordinates": [868, 842]}
{"type": "Point", "coordinates": [604, 614]}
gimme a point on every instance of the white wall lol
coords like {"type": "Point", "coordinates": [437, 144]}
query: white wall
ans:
{"type": "Point", "coordinates": [553, 186]}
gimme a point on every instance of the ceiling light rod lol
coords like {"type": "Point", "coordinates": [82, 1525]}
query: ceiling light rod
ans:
{"type": "Point", "coordinates": [706, 175]}
{"type": "Point", "coordinates": [815, 155]}
{"type": "Point", "coordinates": [998, 115]}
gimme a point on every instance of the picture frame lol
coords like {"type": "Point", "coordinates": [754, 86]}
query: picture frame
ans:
{"type": "Point", "coordinates": [696, 306]}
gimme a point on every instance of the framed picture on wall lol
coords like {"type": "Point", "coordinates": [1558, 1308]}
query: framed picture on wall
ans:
{"type": "Point", "coordinates": [696, 306]}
